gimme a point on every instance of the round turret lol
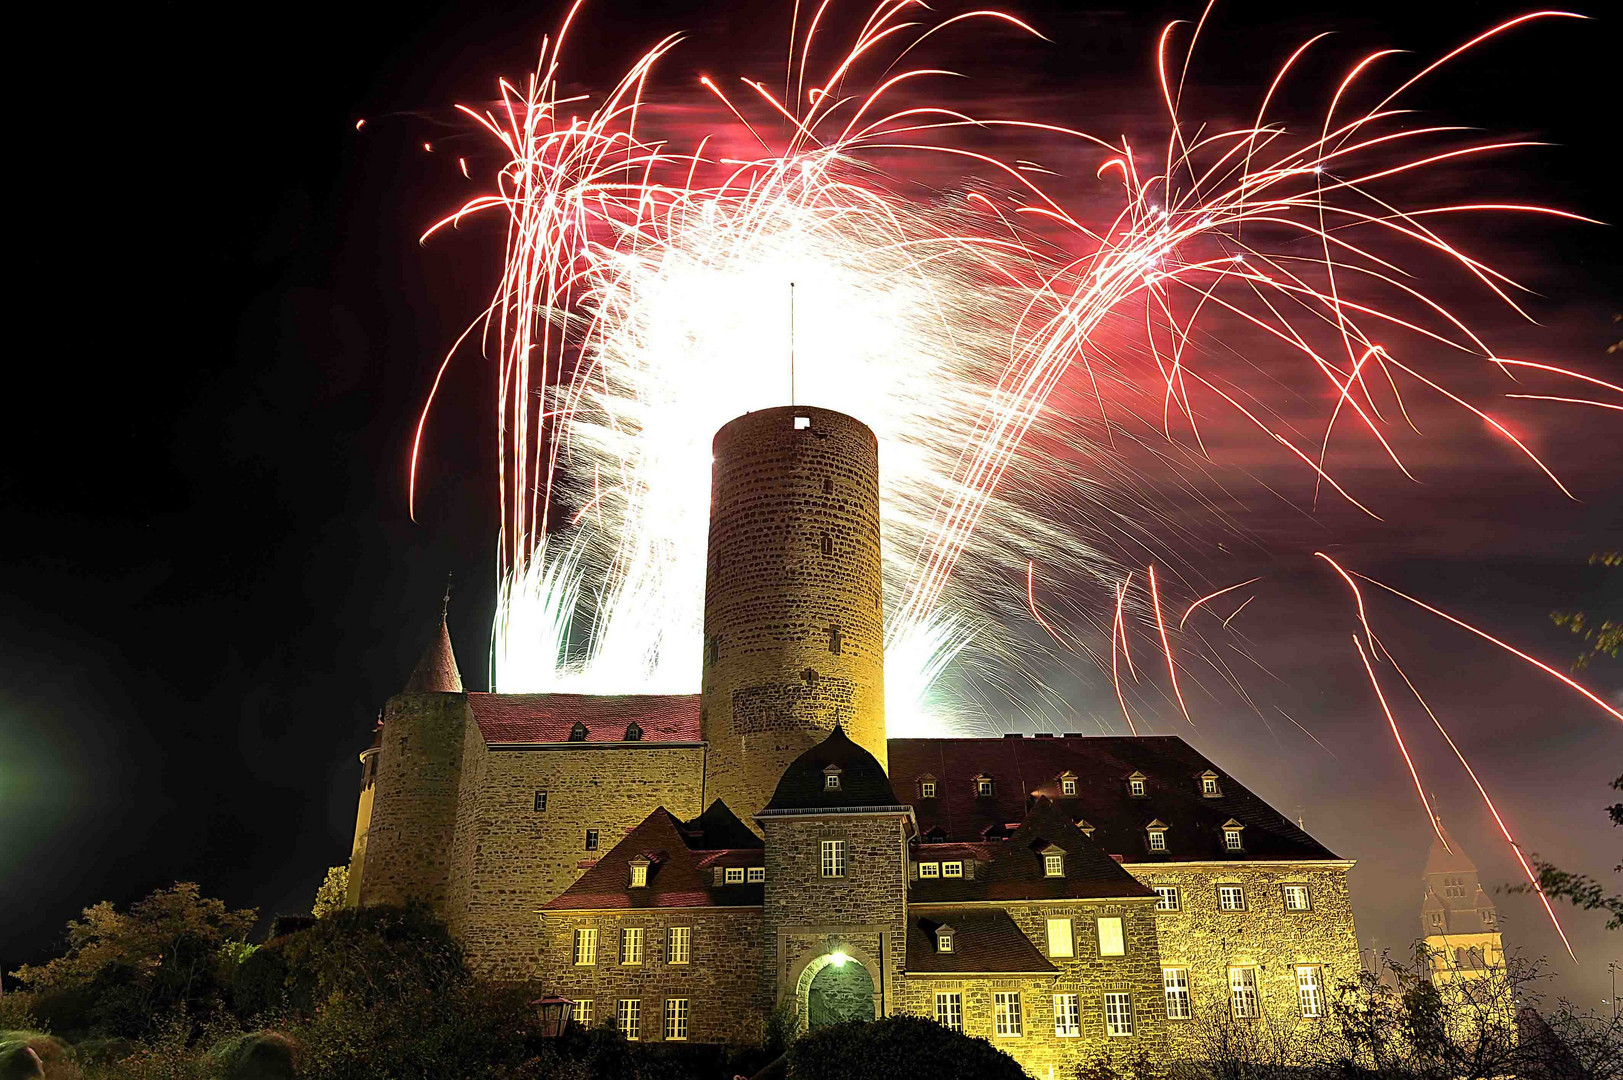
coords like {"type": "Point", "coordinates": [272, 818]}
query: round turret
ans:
{"type": "Point", "coordinates": [793, 611]}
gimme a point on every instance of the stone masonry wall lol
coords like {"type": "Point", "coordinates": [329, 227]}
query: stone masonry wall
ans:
{"type": "Point", "coordinates": [806, 915]}
{"type": "Point", "coordinates": [1040, 1051]}
{"type": "Point", "coordinates": [793, 612]}
{"type": "Point", "coordinates": [1208, 941]}
{"type": "Point", "coordinates": [410, 839]}
{"type": "Point", "coordinates": [519, 858]}
{"type": "Point", "coordinates": [721, 981]}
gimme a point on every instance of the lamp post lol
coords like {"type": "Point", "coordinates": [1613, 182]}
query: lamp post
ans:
{"type": "Point", "coordinates": [555, 1014]}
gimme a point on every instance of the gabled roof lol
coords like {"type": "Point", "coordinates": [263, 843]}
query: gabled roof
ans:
{"type": "Point", "coordinates": [1024, 768]}
{"type": "Point", "coordinates": [678, 875]}
{"type": "Point", "coordinates": [1440, 860]}
{"type": "Point", "coordinates": [436, 671]}
{"type": "Point", "coordinates": [547, 718]}
{"type": "Point", "coordinates": [984, 941]}
{"type": "Point", "coordinates": [1015, 870]}
{"type": "Point", "coordinates": [862, 780]}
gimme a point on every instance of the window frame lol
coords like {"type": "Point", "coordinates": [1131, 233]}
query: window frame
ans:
{"type": "Point", "coordinates": [591, 839]}
{"type": "Point", "coordinates": [676, 1019]}
{"type": "Point", "coordinates": [929, 869]}
{"type": "Point", "coordinates": [1120, 934]}
{"type": "Point", "coordinates": [953, 869]}
{"type": "Point", "coordinates": [831, 781]}
{"type": "Point", "coordinates": [1243, 987]}
{"type": "Point", "coordinates": [1177, 990]}
{"type": "Point", "coordinates": [1067, 1016]}
{"type": "Point", "coordinates": [754, 875]}
{"type": "Point", "coordinates": [733, 875]}
{"type": "Point", "coordinates": [1158, 839]}
{"type": "Point", "coordinates": [1119, 1026]}
{"type": "Point", "coordinates": [585, 946]}
{"type": "Point", "coordinates": [1067, 938]}
{"type": "Point", "coordinates": [832, 861]}
{"type": "Point", "coordinates": [1067, 786]}
{"type": "Point", "coordinates": [1306, 894]}
{"type": "Point", "coordinates": [926, 789]}
{"type": "Point", "coordinates": [1008, 1015]}
{"type": "Point", "coordinates": [639, 876]}
{"type": "Point", "coordinates": [541, 802]}
{"type": "Point", "coordinates": [679, 945]}
{"type": "Point", "coordinates": [949, 1009]}
{"type": "Point", "coordinates": [985, 788]}
{"type": "Point", "coordinates": [581, 1012]}
{"type": "Point", "coordinates": [628, 1018]}
{"type": "Point", "coordinates": [631, 944]}
{"type": "Point", "coordinates": [1233, 840]}
{"type": "Point", "coordinates": [1222, 890]}
{"type": "Point", "coordinates": [1053, 864]}
{"type": "Point", "coordinates": [943, 943]}
{"type": "Point", "coordinates": [1164, 893]}
{"type": "Point", "coordinates": [1313, 987]}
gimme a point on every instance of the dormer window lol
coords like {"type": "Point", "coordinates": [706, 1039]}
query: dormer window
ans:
{"type": "Point", "coordinates": [633, 732]}
{"type": "Point", "coordinates": [831, 778]}
{"type": "Point", "coordinates": [1208, 785]}
{"type": "Point", "coordinates": [1053, 862]}
{"type": "Point", "coordinates": [757, 874]}
{"type": "Point", "coordinates": [929, 869]}
{"type": "Point", "coordinates": [1067, 785]}
{"type": "Point", "coordinates": [926, 787]}
{"type": "Point", "coordinates": [733, 875]}
{"type": "Point", "coordinates": [1136, 785]}
{"type": "Point", "coordinates": [577, 732]}
{"type": "Point", "coordinates": [1232, 840]}
{"type": "Point", "coordinates": [1085, 827]}
{"type": "Point", "coordinates": [639, 873]}
{"type": "Point", "coordinates": [1156, 831]}
{"type": "Point", "coordinates": [943, 939]}
{"type": "Point", "coordinates": [952, 869]}
{"type": "Point", "coordinates": [983, 786]}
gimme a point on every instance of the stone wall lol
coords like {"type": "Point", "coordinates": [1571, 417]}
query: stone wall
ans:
{"type": "Point", "coordinates": [721, 981]}
{"type": "Point", "coordinates": [519, 858]}
{"type": "Point", "coordinates": [806, 916]}
{"type": "Point", "coordinates": [1040, 1050]}
{"type": "Point", "coordinates": [793, 619]}
{"type": "Point", "coordinates": [414, 801]}
{"type": "Point", "coordinates": [1208, 941]}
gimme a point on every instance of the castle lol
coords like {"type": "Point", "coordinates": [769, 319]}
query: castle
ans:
{"type": "Point", "coordinates": [1458, 921]}
{"type": "Point", "coordinates": [686, 865]}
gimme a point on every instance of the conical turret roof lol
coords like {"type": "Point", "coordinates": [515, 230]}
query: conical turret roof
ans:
{"type": "Point", "coordinates": [436, 672]}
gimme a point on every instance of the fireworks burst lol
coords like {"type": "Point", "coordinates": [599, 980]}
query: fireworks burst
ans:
{"type": "Point", "coordinates": [652, 291]}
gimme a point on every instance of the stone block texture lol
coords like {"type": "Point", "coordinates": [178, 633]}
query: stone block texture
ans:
{"type": "Point", "coordinates": [793, 612]}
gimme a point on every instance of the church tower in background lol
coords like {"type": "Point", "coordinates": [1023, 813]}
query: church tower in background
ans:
{"type": "Point", "coordinates": [1458, 921]}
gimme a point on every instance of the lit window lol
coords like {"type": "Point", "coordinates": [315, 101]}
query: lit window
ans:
{"type": "Point", "coordinates": [1061, 941]}
{"type": "Point", "coordinates": [540, 801]}
{"type": "Point", "coordinates": [952, 869]}
{"type": "Point", "coordinates": [631, 945]}
{"type": "Point", "coordinates": [949, 1011]}
{"type": "Point", "coordinates": [1111, 940]}
{"type": "Point", "coordinates": [927, 789]}
{"type": "Point", "coordinates": [802, 423]}
{"type": "Point", "coordinates": [1166, 898]}
{"type": "Point", "coordinates": [833, 858]}
{"type": "Point", "coordinates": [1310, 990]}
{"type": "Point", "coordinates": [679, 945]}
{"type": "Point", "coordinates": [676, 1019]}
{"type": "Point", "coordinates": [1135, 787]}
{"type": "Point", "coordinates": [983, 785]}
{"type": "Point", "coordinates": [1176, 981]}
{"type": "Point", "coordinates": [582, 1013]}
{"type": "Point", "coordinates": [1054, 865]}
{"type": "Point", "coordinates": [628, 1017]}
{"type": "Point", "coordinates": [1296, 898]}
{"type": "Point", "coordinates": [1243, 992]}
{"type": "Point", "coordinates": [1208, 785]}
{"type": "Point", "coordinates": [1231, 898]}
{"type": "Point", "coordinates": [591, 839]}
{"type": "Point", "coordinates": [1158, 840]}
{"type": "Point", "coordinates": [756, 875]}
{"type": "Point", "coordinates": [1067, 786]}
{"type": "Point", "coordinates": [831, 781]}
{"type": "Point", "coordinates": [943, 942]}
{"type": "Point", "coordinates": [1006, 1008]}
{"type": "Point", "coordinates": [1118, 1014]}
{"type": "Point", "coordinates": [733, 875]}
{"type": "Point", "coordinates": [639, 875]}
{"type": "Point", "coordinates": [586, 945]}
{"type": "Point", "coordinates": [1231, 840]}
{"type": "Point", "coordinates": [1067, 1015]}
{"type": "Point", "coordinates": [929, 869]}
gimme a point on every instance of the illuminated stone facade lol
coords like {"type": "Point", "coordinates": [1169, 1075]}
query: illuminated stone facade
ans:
{"type": "Point", "coordinates": [689, 864]}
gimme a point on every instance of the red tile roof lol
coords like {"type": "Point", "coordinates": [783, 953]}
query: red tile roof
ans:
{"type": "Point", "coordinates": [678, 875]}
{"type": "Point", "coordinates": [1024, 768]}
{"type": "Point", "coordinates": [548, 718]}
{"type": "Point", "coordinates": [984, 940]}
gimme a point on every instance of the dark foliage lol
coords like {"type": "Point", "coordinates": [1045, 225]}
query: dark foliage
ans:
{"type": "Point", "coordinates": [897, 1048]}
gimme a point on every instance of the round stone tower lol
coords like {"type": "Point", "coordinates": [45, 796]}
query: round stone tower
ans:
{"type": "Point", "coordinates": [793, 611]}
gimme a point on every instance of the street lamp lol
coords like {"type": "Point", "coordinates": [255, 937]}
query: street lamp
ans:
{"type": "Point", "coordinates": [555, 1013]}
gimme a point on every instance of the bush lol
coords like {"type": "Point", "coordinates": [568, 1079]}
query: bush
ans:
{"type": "Point", "coordinates": [897, 1048]}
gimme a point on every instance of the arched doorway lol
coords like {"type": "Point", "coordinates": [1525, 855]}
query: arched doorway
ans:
{"type": "Point", "coordinates": [832, 989]}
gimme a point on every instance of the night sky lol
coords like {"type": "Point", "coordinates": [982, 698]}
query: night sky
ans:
{"type": "Point", "coordinates": [227, 328]}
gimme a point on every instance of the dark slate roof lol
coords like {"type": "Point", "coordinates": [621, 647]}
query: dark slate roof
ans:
{"type": "Point", "coordinates": [718, 829]}
{"type": "Point", "coordinates": [985, 941]}
{"type": "Point", "coordinates": [679, 876]}
{"type": "Point", "coordinates": [1022, 768]}
{"type": "Point", "coordinates": [862, 779]}
{"type": "Point", "coordinates": [547, 718]}
{"type": "Point", "coordinates": [1015, 869]}
{"type": "Point", "coordinates": [436, 671]}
